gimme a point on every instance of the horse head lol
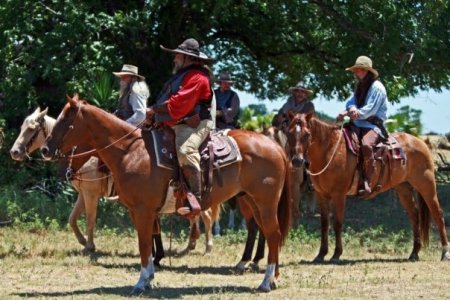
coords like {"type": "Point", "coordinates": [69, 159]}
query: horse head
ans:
{"type": "Point", "coordinates": [67, 131]}
{"type": "Point", "coordinates": [33, 132]}
{"type": "Point", "coordinates": [298, 137]}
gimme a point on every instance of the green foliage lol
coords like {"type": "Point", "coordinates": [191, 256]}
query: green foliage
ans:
{"type": "Point", "coordinates": [249, 119]}
{"type": "Point", "coordinates": [405, 120]}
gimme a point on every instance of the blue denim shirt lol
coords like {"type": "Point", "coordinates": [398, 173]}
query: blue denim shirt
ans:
{"type": "Point", "coordinates": [375, 105]}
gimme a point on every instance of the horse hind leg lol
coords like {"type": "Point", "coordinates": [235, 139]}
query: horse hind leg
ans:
{"type": "Point", "coordinates": [252, 230]}
{"type": "Point", "coordinates": [208, 218]}
{"type": "Point", "coordinates": [426, 187]}
{"type": "Point", "coordinates": [194, 234]}
{"type": "Point", "coordinates": [405, 194]}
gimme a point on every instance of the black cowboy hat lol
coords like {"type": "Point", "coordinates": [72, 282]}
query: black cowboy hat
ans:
{"type": "Point", "coordinates": [189, 47]}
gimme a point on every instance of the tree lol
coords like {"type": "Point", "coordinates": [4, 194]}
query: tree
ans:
{"type": "Point", "coordinates": [51, 48]}
{"type": "Point", "coordinates": [407, 120]}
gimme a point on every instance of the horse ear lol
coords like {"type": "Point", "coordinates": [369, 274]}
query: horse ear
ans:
{"type": "Point", "coordinates": [73, 101]}
{"type": "Point", "coordinates": [291, 115]}
{"type": "Point", "coordinates": [309, 116]}
{"type": "Point", "coordinates": [76, 97]}
{"type": "Point", "coordinates": [37, 111]}
{"type": "Point", "coordinates": [43, 113]}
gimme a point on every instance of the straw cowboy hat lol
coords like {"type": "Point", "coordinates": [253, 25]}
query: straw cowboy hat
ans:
{"type": "Point", "coordinates": [128, 70]}
{"type": "Point", "coordinates": [363, 62]}
{"type": "Point", "coordinates": [300, 86]}
{"type": "Point", "coordinates": [224, 77]}
{"type": "Point", "coordinates": [189, 47]}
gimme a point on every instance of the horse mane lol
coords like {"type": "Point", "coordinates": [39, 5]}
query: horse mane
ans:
{"type": "Point", "coordinates": [323, 130]}
{"type": "Point", "coordinates": [126, 126]}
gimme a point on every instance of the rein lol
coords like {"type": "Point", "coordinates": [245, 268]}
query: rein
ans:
{"type": "Point", "coordinates": [90, 152]}
{"type": "Point", "coordinates": [332, 155]}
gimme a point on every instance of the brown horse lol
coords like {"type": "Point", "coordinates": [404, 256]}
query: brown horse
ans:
{"type": "Point", "coordinates": [89, 182]}
{"type": "Point", "coordinates": [263, 174]}
{"type": "Point", "coordinates": [300, 187]}
{"type": "Point", "coordinates": [333, 169]}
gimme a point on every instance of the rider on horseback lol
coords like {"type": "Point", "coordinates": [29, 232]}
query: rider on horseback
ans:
{"type": "Point", "coordinates": [367, 109]}
{"type": "Point", "coordinates": [184, 104]}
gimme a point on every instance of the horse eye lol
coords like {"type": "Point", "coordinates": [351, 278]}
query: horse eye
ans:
{"type": "Point", "coordinates": [71, 127]}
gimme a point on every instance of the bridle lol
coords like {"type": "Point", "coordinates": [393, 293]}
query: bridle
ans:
{"type": "Point", "coordinates": [306, 140]}
{"type": "Point", "coordinates": [41, 127]}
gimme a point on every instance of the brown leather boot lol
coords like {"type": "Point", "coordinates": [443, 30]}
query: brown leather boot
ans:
{"type": "Point", "coordinates": [194, 180]}
{"type": "Point", "coordinates": [368, 169]}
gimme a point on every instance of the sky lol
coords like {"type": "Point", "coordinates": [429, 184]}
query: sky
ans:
{"type": "Point", "coordinates": [435, 108]}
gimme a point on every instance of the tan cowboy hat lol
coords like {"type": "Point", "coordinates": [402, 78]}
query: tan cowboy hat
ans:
{"type": "Point", "coordinates": [300, 86]}
{"type": "Point", "coordinates": [128, 70]}
{"type": "Point", "coordinates": [224, 77]}
{"type": "Point", "coordinates": [363, 62]}
{"type": "Point", "coordinates": [189, 47]}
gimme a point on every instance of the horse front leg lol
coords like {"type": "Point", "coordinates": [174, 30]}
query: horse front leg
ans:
{"type": "Point", "coordinates": [324, 227]}
{"type": "Point", "coordinates": [143, 223]}
{"type": "Point", "coordinates": [339, 211]}
{"type": "Point", "coordinates": [77, 210]}
{"type": "Point", "coordinates": [90, 204]}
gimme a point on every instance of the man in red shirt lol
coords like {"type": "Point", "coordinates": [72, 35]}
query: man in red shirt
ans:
{"type": "Point", "coordinates": [184, 104]}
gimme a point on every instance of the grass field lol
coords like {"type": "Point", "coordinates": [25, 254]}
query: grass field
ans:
{"type": "Point", "coordinates": [49, 264]}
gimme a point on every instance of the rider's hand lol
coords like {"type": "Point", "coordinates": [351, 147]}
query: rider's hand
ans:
{"type": "Point", "coordinates": [341, 116]}
{"type": "Point", "coordinates": [150, 113]}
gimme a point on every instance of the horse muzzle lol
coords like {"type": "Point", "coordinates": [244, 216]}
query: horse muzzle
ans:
{"type": "Point", "coordinates": [297, 161]}
{"type": "Point", "coordinates": [17, 153]}
{"type": "Point", "coordinates": [46, 153]}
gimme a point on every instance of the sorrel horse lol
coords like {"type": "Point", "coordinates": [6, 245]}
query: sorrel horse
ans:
{"type": "Point", "coordinates": [333, 169]}
{"type": "Point", "coordinates": [299, 182]}
{"type": "Point", "coordinates": [89, 182]}
{"type": "Point", "coordinates": [263, 174]}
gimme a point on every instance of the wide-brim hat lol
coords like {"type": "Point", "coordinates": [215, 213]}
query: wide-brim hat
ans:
{"type": "Point", "coordinates": [300, 86]}
{"type": "Point", "coordinates": [224, 77]}
{"type": "Point", "coordinates": [363, 62]}
{"type": "Point", "coordinates": [189, 47]}
{"type": "Point", "coordinates": [128, 70]}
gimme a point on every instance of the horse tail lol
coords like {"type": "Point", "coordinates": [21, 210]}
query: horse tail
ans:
{"type": "Point", "coordinates": [284, 206]}
{"type": "Point", "coordinates": [424, 220]}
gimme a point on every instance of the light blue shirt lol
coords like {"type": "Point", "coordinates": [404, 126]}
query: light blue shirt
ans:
{"type": "Point", "coordinates": [375, 105]}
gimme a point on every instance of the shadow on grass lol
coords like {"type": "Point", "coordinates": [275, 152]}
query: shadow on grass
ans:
{"type": "Point", "coordinates": [156, 293]}
{"type": "Point", "coordinates": [213, 270]}
{"type": "Point", "coordinates": [347, 262]}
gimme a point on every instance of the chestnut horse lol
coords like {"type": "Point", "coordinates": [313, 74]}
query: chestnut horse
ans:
{"type": "Point", "coordinates": [333, 168]}
{"type": "Point", "coordinates": [89, 182]}
{"type": "Point", "coordinates": [128, 152]}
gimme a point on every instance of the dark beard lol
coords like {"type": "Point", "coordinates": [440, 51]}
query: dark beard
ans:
{"type": "Point", "coordinates": [362, 89]}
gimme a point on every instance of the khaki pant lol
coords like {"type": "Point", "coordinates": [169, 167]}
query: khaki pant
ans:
{"type": "Point", "coordinates": [188, 140]}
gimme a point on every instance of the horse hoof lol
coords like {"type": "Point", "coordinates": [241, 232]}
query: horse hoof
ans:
{"type": "Point", "coordinates": [445, 256]}
{"type": "Point", "coordinates": [266, 289]}
{"type": "Point", "coordinates": [136, 292]}
{"type": "Point", "coordinates": [263, 289]}
{"type": "Point", "coordinates": [240, 267]}
{"type": "Point", "coordinates": [335, 260]}
{"type": "Point", "coordinates": [413, 257]}
{"type": "Point", "coordinates": [318, 260]}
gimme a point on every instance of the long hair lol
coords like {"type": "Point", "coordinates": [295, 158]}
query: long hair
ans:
{"type": "Point", "coordinates": [362, 88]}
